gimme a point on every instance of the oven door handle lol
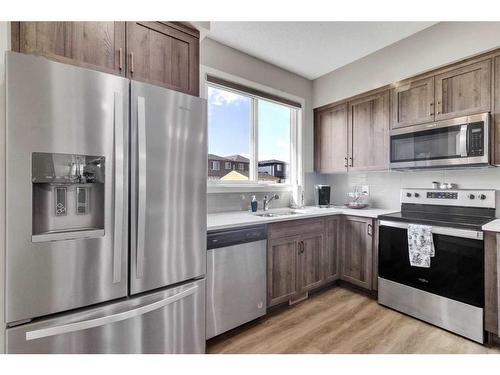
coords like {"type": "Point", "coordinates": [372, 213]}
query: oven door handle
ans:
{"type": "Point", "coordinates": [455, 232]}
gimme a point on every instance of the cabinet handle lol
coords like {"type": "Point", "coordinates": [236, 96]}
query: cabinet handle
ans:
{"type": "Point", "coordinates": [350, 161]}
{"type": "Point", "coordinates": [120, 58]}
{"type": "Point", "coordinates": [439, 108]}
{"type": "Point", "coordinates": [131, 62]}
{"type": "Point", "coordinates": [301, 247]}
{"type": "Point", "coordinates": [369, 229]}
{"type": "Point", "coordinates": [431, 111]}
{"type": "Point", "coordinates": [345, 162]}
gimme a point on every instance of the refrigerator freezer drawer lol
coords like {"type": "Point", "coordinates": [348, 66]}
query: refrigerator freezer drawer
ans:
{"type": "Point", "coordinates": [170, 321]}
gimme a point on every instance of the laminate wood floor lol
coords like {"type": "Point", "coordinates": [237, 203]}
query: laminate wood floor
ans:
{"type": "Point", "coordinates": [339, 320]}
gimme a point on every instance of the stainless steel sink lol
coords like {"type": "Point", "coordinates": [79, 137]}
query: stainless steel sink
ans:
{"type": "Point", "coordinates": [277, 214]}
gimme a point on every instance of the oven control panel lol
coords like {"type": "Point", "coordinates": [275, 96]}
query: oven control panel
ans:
{"type": "Point", "coordinates": [451, 197]}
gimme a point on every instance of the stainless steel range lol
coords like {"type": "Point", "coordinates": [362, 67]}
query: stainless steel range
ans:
{"type": "Point", "coordinates": [449, 293]}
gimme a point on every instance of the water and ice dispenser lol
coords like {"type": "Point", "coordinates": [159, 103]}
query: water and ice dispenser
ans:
{"type": "Point", "coordinates": [68, 196]}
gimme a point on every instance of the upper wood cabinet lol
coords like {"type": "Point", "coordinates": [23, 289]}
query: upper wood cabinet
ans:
{"type": "Point", "coordinates": [369, 132]}
{"type": "Point", "coordinates": [463, 91]}
{"type": "Point", "coordinates": [94, 45]}
{"type": "Point", "coordinates": [161, 53]}
{"type": "Point", "coordinates": [164, 54]}
{"type": "Point", "coordinates": [330, 140]}
{"type": "Point", "coordinates": [495, 129]}
{"type": "Point", "coordinates": [357, 251]}
{"type": "Point", "coordinates": [413, 103]}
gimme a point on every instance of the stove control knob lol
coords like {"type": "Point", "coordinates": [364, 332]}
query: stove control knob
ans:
{"type": "Point", "coordinates": [417, 195]}
{"type": "Point", "coordinates": [408, 195]}
{"type": "Point", "coordinates": [482, 197]}
{"type": "Point", "coordinates": [472, 196]}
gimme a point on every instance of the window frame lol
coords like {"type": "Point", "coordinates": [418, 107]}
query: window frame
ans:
{"type": "Point", "coordinates": [295, 166]}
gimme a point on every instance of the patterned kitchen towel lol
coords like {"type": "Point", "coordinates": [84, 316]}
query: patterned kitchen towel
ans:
{"type": "Point", "coordinates": [420, 245]}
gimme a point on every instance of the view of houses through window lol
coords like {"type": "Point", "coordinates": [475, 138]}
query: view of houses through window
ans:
{"type": "Point", "coordinates": [239, 141]}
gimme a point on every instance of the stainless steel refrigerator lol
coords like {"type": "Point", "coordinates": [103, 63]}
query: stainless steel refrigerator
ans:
{"type": "Point", "coordinates": [106, 213]}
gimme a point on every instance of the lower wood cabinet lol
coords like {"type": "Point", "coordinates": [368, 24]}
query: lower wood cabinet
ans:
{"type": "Point", "coordinates": [491, 251]}
{"type": "Point", "coordinates": [332, 244]}
{"type": "Point", "coordinates": [305, 254]}
{"type": "Point", "coordinates": [281, 270]}
{"type": "Point", "coordinates": [294, 259]}
{"type": "Point", "coordinates": [357, 251]}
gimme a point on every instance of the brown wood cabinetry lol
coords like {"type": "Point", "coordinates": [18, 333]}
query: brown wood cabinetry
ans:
{"type": "Point", "coordinates": [495, 129]}
{"type": "Point", "coordinates": [353, 136]}
{"type": "Point", "coordinates": [357, 250]}
{"type": "Point", "coordinates": [294, 259]}
{"type": "Point", "coordinates": [491, 244]}
{"type": "Point", "coordinates": [94, 45]}
{"type": "Point", "coordinates": [330, 140]}
{"type": "Point", "coordinates": [281, 270]}
{"type": "Point", "coordinates": [413, 103]}
{"type": "Point", "coordinates": [369, 132]}
{"type": "Point", "coordinates": [463, 91]}
{"type": "Point", "coordinates": [310, 261]}
{"type": "Point", "coordinates": [332, 244]}
{"type": "Point", "coordinates": [163, 54]}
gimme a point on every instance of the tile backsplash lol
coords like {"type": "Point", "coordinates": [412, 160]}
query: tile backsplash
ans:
{"type": "Point", "coordinates": [384, 186]}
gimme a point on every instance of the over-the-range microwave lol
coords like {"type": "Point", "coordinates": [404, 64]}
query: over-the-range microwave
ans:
{"type": "Point", "coordinates": [458, 142]}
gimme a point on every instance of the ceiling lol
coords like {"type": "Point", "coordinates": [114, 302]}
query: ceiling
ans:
{"type": "Point", "coordinates": [311, 49]}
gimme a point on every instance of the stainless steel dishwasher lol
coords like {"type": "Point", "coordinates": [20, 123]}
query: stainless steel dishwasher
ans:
{"type": "Point", "coordinates": [236, 278]}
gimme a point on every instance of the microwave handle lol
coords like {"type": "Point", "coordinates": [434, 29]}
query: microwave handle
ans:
{"type": "Point", "coordinates": [463, 140]}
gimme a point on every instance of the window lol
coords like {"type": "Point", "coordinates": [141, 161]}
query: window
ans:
{"type": "Point", "coordinates": [215, 165]}
{"type": "Point", "coordinates": [256, 136]}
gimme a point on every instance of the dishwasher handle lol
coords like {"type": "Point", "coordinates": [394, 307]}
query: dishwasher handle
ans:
{"type": "Point", "coordinates": [233, 237]}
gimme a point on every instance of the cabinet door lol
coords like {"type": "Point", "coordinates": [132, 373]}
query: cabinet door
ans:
{"type": "Point", "coordinates": [495, 131]}
{"type": "Point", "coordinates": [331, 257]}
{"type": "Point", "coordinates": [93, 45]}
{"type": "Point", "coordinates": [464, 91]}
{"type": "Point", "coordinates": [310, 264]}
{"type": "Point", "coordinates": [491, 252]}
{"type": "Point", "coordinates": [413, 103]}
{"type": "Point", "coordinates": [163, 55]}
{"type": "Point", "coordinates": [330, 140]}
{"type": "Point", "coordinates": [281, 270]}
{"type": "Point", "coordinates": [369, 132]}
{"type": "Point", "coordinates": [357, 251]}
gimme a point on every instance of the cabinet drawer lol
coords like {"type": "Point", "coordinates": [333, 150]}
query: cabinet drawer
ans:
{"type": "Point", "coordinates": [295, 227]}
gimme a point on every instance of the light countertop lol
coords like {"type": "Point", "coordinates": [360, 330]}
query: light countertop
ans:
{"type": "Point", "coordinates": [492, 226]}
{"type": "Point", "coordinates": [226, 220]}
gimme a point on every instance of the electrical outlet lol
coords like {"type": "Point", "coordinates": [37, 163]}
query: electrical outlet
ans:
{"type": "Point", "coordinates": [365, 189]}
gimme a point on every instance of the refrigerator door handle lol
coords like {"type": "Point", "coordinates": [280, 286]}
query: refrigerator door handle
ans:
{"type": "Point", "coordinates": [141, 214]}
{"type": "Point", "coordinates": [119, 188]}
{"type": "Point", "coordinates": [98, 322]}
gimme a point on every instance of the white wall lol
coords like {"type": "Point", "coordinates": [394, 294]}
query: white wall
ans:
{"type": "Point", "coordinates": [438, 45]}
{"type": "Point", "coordinates": [4, 46]}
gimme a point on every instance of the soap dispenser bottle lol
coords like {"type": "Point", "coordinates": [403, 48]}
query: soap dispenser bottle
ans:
{"type": "Point", "coordinates": [253, 203]}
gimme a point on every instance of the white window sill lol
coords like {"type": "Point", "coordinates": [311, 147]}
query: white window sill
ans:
{"type": "Point", "coordinates": [247, 188]}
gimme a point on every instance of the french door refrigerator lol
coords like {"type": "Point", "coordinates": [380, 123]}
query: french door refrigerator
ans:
{"type": "Point", "coordinates": [84, 274]}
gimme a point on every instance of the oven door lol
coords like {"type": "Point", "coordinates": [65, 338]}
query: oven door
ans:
{"type": "Point", "coordinates": [456, 271]}
{"type": "Point", "coordinates": [455, 142]}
